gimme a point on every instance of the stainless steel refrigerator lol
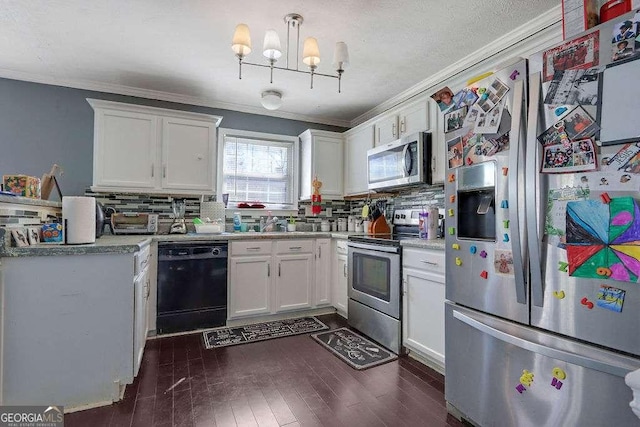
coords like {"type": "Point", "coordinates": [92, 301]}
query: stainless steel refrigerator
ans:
{"type": "Point", "coordinates": [542, 320]}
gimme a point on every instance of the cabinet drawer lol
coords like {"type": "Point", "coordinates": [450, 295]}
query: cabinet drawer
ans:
{"type": "Point", "coordinates": [251, 247]}
{"type": "Point", "coordinates": [341, 246]}
{"type": "Point", "coordinates": [423, 259]}
{"type": "Point", "coordinates": [142, 259]}
{"type": "Point", "coordinates": [293, 246]}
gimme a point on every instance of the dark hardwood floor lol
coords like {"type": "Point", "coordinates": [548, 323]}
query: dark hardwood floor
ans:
{"type": "Point", "coordinates": [289, 381]}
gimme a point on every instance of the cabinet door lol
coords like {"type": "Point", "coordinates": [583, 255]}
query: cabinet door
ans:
{"type": "Point", "coordinates": [356, 146]}
{"type": "Point", "coordinates": [327, 159]}
{"type": "Point", "coordinates": [188, 148]}
{"type": "Point", "coordinates": [386, 130]}
{"type": "Point", "coordinates": [125, 149]}
{"type": "Point", "coordinates": [323, 272]}
{"type": "Point", "coordinates": [249, 286]}
{"type": "Point", "coordinates": [414, 118]}
{"type": "Point", "coordinates": [321, 155]}
{"type": "Point", "coordinates": [438, 146]}
{"type": "Point", "coordinates": [423, 317]}
{"type": "Point", "coordinates": [141, 294]}
{"type": "Point", "coordinates": [294, 280]}
{"type": "Point", "coordinates": [339, 292]}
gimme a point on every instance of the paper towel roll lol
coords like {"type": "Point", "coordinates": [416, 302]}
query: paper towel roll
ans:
{"type": "Point", "coordinates": [79, 219]}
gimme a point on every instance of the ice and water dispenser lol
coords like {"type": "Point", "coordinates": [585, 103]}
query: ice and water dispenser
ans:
{"type": "Point", "coordinates": [476, 196]}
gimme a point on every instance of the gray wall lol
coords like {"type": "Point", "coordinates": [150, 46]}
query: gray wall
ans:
{"type": "Point", "coordinates": [43, 124]}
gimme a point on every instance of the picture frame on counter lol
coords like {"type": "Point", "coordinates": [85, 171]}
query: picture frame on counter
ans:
{"type": "Point", "coordinates": [33, 234]}
{"type": "Point", "coordinates": [20, 237]}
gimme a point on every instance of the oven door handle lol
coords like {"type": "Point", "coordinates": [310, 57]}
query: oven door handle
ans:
{"type": "Point", "coordinates": [378, 248]}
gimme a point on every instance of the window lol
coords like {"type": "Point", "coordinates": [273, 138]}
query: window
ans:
{"type": "Point", "coordinates": [258, 168]}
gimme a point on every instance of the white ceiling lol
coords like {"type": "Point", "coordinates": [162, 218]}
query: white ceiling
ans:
{"type": "Point", "coordinates": [181, 50]}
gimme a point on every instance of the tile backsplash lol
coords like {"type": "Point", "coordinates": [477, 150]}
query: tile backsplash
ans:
{"type": "Point", "coordinates": [415, 197]}
{"type": "Point", "coordinates": [34, 213]}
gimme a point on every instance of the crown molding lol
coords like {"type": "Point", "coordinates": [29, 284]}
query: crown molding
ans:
{"type": "Point", "coordinates": [539, 33]}
{"type": "Point", "coordinates": [166, 96]}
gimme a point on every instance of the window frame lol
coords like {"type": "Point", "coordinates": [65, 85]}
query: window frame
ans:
{"type": "Point", "coordinates": [269, 137]}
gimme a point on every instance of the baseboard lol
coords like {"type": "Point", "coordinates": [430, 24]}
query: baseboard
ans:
{"type": "Point", "coordinates": [426, 360]}
{"type": "Point", "coordinates": [280, 316]}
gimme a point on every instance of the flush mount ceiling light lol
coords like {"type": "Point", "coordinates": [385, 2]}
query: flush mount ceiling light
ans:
{"type": "Point", "coordinates": [271, 99]}
{"type": "Point", "coordinates": [271, 50]}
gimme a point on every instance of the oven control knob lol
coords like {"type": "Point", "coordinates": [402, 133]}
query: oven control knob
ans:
{"type": "Point", "coordinates": [403, 216]}
{"type": "Point", "coordinates": [458, 261]}
{"type": "Point", "coordinates": [216, 251]}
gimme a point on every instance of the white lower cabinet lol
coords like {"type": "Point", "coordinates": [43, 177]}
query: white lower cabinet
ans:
{"type": "Point", "coordinates": [250, 290]}
{"type": "Point", "coordinates": [323, 275]}
{"type": "Point", "coordinates": [269, 277]}
{"type": "Point", "coordinates": [142, 288]}
{"type": "Point", "coordinates": [423, 278]}
{"type": "Point", "coordinates": [293, 281]}
{"type": "Point", "coordinates": [339, 284]}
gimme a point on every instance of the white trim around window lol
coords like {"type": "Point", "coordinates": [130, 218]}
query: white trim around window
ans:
{"type": "Point", "coordinates": [252, 190]}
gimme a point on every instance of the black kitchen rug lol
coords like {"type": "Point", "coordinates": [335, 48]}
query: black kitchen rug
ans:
{"type": "Point", "coordinates": [223, 337]}
{"type": "Point", "coordinates": [357, 351]}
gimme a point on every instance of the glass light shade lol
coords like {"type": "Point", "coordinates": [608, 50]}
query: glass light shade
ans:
{"type": "Point", "coordinates": [311, 52]}
{"type": "Point", "coordinates": [241, 43]}
{"type": "Point", "coordinates": [271, 99]}
{"type": "Point", "coordinates": [341, 56]}
{"type": "Point", "coordinates": [271, 48]}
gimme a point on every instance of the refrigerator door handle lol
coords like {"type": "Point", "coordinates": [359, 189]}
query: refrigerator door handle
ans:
{"type": "Point", "coordinates": [554, 353]}
{"type": "Point", "coordinates": [515, 181]}
{"type": "Point", "coordinates": [537, 284]}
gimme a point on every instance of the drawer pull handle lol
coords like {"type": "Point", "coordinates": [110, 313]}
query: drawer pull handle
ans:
{"type": "Point", "coordinates": [429, 262]}
{"type": "Point", "coordinates": [295, 248]}
{"type": "Point", "coordinates": [254, 248]}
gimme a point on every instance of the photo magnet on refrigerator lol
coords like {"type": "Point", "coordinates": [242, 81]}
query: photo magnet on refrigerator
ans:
{"type": "Point", "coordinates": [610, 298]}
{"type": "Point", "coordinates": [503, 262]}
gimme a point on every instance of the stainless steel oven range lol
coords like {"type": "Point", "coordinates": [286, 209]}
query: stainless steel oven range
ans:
{"type": "Point", "coordinates": [374, 290]}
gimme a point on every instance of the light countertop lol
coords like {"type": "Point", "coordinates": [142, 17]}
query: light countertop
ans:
{"type": "Point", "coordinates": [437, 244]}
{"type": "Point", "coordinates": [133, 243]}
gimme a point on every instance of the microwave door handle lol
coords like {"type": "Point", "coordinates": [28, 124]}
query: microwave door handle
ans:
{"type": "Point", "coordinates": [405, 172]}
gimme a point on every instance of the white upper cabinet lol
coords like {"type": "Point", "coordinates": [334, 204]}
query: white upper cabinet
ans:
{"type": "Point", "coordinates": [124, 150]}
{"type": "Point", "coordinates": [321, 156]}
{"type": "Point", "coordinates": [408, 119]}
{"type": "Point", "coordinates": [357, 142]}
{"type": "Point", "coordinates": [188, 153]}
{"type": "Point", "coordinates": [438, 143]}
{"type": "Point", "coordinates": [146, 149]}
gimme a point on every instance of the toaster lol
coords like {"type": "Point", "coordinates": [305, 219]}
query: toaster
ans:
{"type": "Point", "coordinates": [134, 223]}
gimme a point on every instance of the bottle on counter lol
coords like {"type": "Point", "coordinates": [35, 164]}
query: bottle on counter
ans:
{"type": "Point", "coordinates": [237, 221]}
{"type": "Point", "coordinates": [269, 223]}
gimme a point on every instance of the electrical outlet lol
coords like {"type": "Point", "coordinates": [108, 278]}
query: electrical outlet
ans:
{"type": "Point", "coordinates": [329, 212]}
{"type": "Point", "coordinates": [307, 211]}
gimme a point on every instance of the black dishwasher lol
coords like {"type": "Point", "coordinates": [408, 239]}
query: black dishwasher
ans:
{"type": "Point", "coordinates": [192, 286]}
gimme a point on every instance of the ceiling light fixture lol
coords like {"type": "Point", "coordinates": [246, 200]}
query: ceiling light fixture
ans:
{"type": "Point", "coordinates": [271, 49]}
{"type": "Point", "coordinates": [271, 99]}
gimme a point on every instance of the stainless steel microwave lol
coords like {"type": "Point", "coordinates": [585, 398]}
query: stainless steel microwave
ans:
{"type": "Point", "coordinates": [404, 162]}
